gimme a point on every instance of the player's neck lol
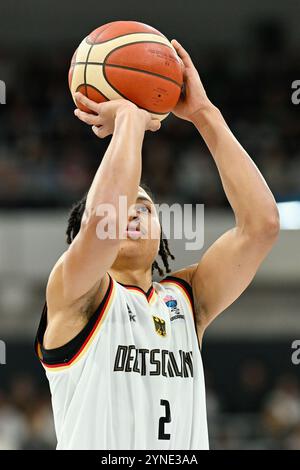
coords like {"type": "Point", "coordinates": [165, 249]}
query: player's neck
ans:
{"type": "Point", "coordinates": [133, 277]}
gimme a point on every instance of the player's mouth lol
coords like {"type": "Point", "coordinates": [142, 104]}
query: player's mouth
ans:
{"type": "Point", "coordinates": [133, 230]}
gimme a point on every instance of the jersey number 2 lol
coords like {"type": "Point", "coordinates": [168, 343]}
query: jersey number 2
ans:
{"type": "Point", "coordinates": [163, 420]}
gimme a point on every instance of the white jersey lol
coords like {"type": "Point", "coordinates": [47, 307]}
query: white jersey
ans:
{"type": "Point", "coordinates": [133, 377]}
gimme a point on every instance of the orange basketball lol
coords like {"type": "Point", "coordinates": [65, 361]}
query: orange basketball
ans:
{"type": "Point", "coordinates": [131, 60]}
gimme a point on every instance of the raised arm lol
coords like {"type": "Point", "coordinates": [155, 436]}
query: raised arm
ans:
{"type": "Point", "coordinates": [84, 264]}
{"type": "Point", "coordinates": [230, 264]}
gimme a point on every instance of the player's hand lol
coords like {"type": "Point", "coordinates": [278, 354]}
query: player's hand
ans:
{"type": "Point", "coordinates": [193, 98]}
{"type": "Point", "coordinates": [104, 114]}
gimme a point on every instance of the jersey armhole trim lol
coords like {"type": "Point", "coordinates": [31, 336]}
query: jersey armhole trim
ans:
{"type": "Point", "coordinates": [184, 287]}
{"type": "Point", "coordinates": [66, 355]}
{"type": "Point", "coordinates": [187, 290]}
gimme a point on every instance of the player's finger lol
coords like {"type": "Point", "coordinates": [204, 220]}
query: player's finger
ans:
{"type": "Point", "coordinates": [86, 102]}
{"type": "Point", "coordinates": [154, 125]}
{"type": "Point", "coordinates": [183, 54]}
{"type": "Point", "coordinates": [101, 132]}
{"type": "Point", "coordinates": [92, 119]}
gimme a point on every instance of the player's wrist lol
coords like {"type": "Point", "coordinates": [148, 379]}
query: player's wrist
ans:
{"type": "Point", "coordinates": [202, 109]}
{"type": "Point", "coordinates": [131, 118]}
{"type": "Point", "coordinates": [205, 115]}
{"type": "Point", "coordinates": [127, 110]}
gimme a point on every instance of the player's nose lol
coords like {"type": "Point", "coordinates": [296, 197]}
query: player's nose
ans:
{"type": "Point", "coordinates": [133, 214]}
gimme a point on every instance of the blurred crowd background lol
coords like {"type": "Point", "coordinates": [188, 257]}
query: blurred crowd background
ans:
{"type": "Point", "coordinates": [48, 159]}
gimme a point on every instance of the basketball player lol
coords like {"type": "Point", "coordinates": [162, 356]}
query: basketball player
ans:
{"type": "Point", "coordinates": [121, 352]}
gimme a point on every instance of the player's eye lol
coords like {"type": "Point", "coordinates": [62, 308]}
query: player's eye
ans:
{"type": "Point", "coordinates": [142, 208]}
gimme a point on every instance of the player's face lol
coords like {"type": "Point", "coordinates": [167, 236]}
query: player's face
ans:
{"type": "Point", "coordinates": [143, 231]}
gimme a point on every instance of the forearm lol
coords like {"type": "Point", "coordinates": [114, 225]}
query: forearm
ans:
{"type": "Point", "coordinates": [120, 170]}
{"type": "Point", "coordinates": [246, 190]}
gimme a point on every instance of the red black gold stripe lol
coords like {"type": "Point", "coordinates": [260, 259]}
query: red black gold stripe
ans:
{"type": "Point", "coordinates": [68, 354]}
{"type": "Point", "coordinates": [149, 294]}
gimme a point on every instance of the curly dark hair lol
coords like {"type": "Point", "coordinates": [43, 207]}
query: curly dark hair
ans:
{"type": "Point", "coordinates": [74, 223]}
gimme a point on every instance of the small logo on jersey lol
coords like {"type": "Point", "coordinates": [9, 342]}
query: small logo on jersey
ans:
{"type": "Point", "coordinates": [171, 303]}
{"type": "Point", "coordinates": [160, 326]}
{"type": "Point", "coordinates": [131, 315]}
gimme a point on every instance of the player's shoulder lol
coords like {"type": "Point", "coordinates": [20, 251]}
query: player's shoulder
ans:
{"type": "Point", "coordinates": [180, 281]}
{"type": "Point", "coordinates": [182, 276]}
{"type": "Point", "coordinates": [55, 298]}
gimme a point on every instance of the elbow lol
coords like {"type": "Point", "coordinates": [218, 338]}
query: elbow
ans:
{"type": "Point", "coordinates": [272, 225]}
{"type": "Point", "coordinates": [265, 228]}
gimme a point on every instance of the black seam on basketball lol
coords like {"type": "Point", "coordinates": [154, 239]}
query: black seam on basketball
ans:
{"type": "Point", "coordinates": [95, 88]}
{"type": "Point", "coordinates": [86, 62]}
{"type": "Point", "coordinates": [133, 69]}
{"type": "Point", "coordinates": [84, 73]}
{"type": "Point", "coordinates": [123, 96]}
{"type": "Point", "coordinates": [121, 36]}
{"type": "Point", "coordinates": [152, 73]}
{"type": "Point", "coordinates": [133, 43]}
{"type": "Point", "coordinates": [144, 71]}
{"type": "Point", "coordinates": [139, 42]}
{"type": "Point", "coordinates": [126, 98]}
{"type": "Point", "coordinates": [100, 32]}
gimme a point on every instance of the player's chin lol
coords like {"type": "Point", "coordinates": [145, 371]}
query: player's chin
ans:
{"type": "Point", "coordinates": [141, 248]}
{"type": "Point", "coordinates": [139, 243]}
